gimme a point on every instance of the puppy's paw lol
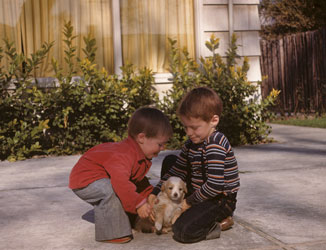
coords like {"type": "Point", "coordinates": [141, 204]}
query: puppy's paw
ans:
{"type": "Point", "coordinates": [158, 226]}
{"type": "Point", "coordinates": [166, 230]}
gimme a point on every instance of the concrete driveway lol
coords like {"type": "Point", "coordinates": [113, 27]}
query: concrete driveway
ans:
{"type": "Point", "coordinates": [281, 203]}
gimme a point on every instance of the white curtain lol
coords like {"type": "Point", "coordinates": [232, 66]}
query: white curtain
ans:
{"type": "Point", "coordinates": [29, 23]}
{"type": "Point", "coordinates": [146, 27]}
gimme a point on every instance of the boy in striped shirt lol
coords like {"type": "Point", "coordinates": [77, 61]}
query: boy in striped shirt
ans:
{"type": "Point", "coordinates": [208, 165]}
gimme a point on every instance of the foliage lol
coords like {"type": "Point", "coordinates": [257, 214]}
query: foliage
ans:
{"type": "Point", "coordinates": [69, 55]}
{"type": "Point", "coordinates": [244, 117]}
{"type": "Point", "coordinates": [280, 17]}
{"type": "Point", "coordinates": [184, 78]}
{"type": "Point", "coordinates": [80, 112]}
{"type": "Point", "coordinates": [95, 109]}
{"type": "Point", "coordinates": [21, 126]}
{"type": "Point", "coordinates": [90, 49]}
{"type": "Point", "coordinates": [73, 116]}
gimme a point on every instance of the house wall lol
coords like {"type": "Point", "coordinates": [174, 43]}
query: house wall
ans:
{"type": "Point", "coordinates": [218, 17]}
{"type": "Point", "coordinates": [222, 18]}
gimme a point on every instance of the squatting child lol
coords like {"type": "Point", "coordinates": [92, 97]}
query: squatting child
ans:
{"type": "Point", "coordinates": [208, 165]}
{"type": "Point", "coordinates": [112, 176]}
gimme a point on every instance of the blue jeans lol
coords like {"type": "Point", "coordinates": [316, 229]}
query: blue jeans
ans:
{"type": "Point", "coordinates": [195, 223]}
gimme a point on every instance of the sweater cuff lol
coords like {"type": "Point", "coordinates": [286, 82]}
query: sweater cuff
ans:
{"type": "Point", "coordinates": [141, 203]}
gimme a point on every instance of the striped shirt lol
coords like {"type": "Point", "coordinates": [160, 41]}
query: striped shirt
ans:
{"type": "Point", "coordinates": [220, 173]}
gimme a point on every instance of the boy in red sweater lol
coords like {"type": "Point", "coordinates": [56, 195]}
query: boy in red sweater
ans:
{"type": "Point", "coordinates": [111, 176]}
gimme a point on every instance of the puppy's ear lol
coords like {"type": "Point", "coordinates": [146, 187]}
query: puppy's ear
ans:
{"type": "Point", "coordinates": [163, 186]}
{"type": "Point", "coordinates": [185, 187]}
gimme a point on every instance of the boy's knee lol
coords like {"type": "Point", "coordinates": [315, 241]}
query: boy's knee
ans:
{"type": "Point", "coordinates": [186, 234]}
{"type": "Point", "coordinates": [179, 233]}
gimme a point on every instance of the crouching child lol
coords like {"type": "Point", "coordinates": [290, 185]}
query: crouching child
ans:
{"type": "Point", "coordinates": [112, 176]}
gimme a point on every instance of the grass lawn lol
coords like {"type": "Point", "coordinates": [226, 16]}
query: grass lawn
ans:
{"type": "Point", "coordinates": [314, 122]}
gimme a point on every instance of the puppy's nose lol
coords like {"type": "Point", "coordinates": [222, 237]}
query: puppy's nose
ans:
{"type": "Point", "coordinates": [175, 195]}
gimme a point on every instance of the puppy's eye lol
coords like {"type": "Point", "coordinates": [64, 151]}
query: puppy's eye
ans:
{"type": "Point", "coordinates": [170, 188]}
{"type": "Point", "coordinates": [180, 189]}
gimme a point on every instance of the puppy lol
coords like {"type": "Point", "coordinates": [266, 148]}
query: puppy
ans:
{"type": "Point", "coordinates": [168, 207]}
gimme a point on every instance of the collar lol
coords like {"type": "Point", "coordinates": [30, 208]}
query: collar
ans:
{"type": "Point", "coordinates": [140, 155]}
{"type": "Point", "coordinates": [210, 137]}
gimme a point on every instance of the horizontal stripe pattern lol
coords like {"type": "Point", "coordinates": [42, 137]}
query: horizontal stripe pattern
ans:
{"type": "Point", "coordinates": [220, 164]}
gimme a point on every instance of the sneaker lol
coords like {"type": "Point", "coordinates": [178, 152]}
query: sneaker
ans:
{"type": "Point", "coordinates": [227, 223]}
{"type": "Point", "coordinates": [119, 240]}
{"type": "Point", "coordinates": [214, 233]}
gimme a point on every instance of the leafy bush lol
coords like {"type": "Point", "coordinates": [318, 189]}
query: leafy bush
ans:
{"type": "Point", "coordinates": [244, 117]}
{"type": "Point", "coordinates": [78, 113]}
{"type": "Point", "coordinates": [75, 114]}
{"type": "Point", "coordinates": [96, 108]}
{"type": "Point", "coordinates": [21, 125]}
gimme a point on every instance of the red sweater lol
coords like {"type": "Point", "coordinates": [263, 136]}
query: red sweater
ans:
{"type": "Point", "coordinates": [124, 163]}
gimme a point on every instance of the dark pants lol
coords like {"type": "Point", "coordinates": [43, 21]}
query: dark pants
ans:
{"type": "Point", "coordinates": [196, 222]}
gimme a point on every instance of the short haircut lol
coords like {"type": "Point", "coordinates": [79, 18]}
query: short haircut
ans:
{"type": "Point", "coordinates": [201, 102]}
{"type": "Point", "coordinates": [150, 121]}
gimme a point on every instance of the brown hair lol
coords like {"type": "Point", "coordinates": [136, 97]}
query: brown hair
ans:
{"type": "Point", "coordinates": [201, 102]}
{"type": "Point", "coordinates": [150, 121]}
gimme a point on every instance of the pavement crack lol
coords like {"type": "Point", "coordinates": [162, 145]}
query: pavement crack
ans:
{"type": "Point", "coordinates": [31, 188]}
{"type": "Point", "coordinates": [263, 234]}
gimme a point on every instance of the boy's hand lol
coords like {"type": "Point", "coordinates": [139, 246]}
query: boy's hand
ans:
{"type": "Point", "coordinates": [152, 199]}
{"type": "Point", "coordinates": [144, 210]}
{"type": "Point", "coordinates": [185, 205]}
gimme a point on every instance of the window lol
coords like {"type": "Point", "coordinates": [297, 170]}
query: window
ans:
{"type": "Point", "coordinates": [144, 27]}
{"type": "Point", "coordinates": [30, 23]}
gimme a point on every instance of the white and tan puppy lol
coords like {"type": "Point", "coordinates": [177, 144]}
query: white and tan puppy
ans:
{"type": "Point", "coordinates": [169, 204]}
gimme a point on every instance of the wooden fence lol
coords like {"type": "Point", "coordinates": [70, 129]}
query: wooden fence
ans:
{"type": "Point", "coordinates": [296, 65]}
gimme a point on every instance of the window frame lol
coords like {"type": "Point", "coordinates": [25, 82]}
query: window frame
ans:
{"type": "Point", "coordinates": [161, 78]}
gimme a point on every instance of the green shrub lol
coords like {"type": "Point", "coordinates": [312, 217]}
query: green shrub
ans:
{"type": "Point", "coordinates": [21, 126]}
{"type": "Point", "coordinates": [78, 113]}
{"type": "Point", "coordinates": [244, 117]}
{"type": "Point", "coordinates": [96, 108]}
{"type": "Point", "coordinates": [185, 76]}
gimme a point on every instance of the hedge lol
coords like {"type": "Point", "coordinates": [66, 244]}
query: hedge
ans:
{"type": "Point", "coordinates": [76, 114]}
